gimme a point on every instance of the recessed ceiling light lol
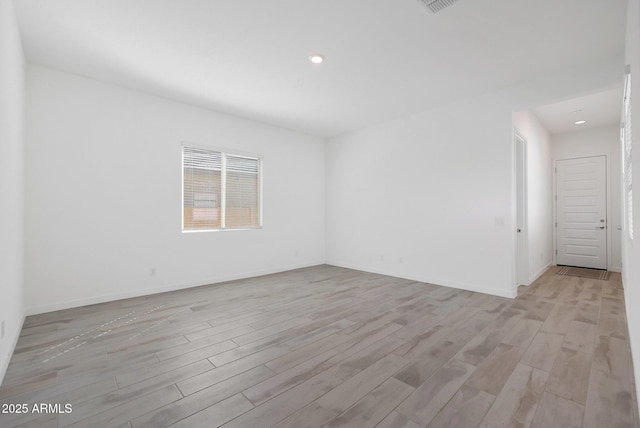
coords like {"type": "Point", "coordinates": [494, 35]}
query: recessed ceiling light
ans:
{"type": "Point", "coordinates": [580, 122]}
{"type": "Point", "coordinates": [316, 58]}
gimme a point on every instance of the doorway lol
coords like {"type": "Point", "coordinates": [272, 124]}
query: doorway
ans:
{"type": "Point", "coordinates": [581, 212]}
{"type": "Point", "coordinates": [522, 253]}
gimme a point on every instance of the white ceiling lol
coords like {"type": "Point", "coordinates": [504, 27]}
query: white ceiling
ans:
{"type": "Point", "coordinates": [599, 109]}
{"type": "Point", "coordinates": [384, 58]}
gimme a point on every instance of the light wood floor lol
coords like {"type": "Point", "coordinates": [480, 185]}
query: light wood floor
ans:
{"type": "Point", "coordinates": [327, 346]}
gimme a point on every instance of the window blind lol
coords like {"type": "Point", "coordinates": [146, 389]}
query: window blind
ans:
{"type": "Point", "coordinates": [242, 192]}
{"type": "Point", "coordinates": [220, 190]}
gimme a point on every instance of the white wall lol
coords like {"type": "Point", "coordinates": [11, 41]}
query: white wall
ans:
{"type": "Point", "coordinates": [597, 142]}
{"type": "Point", "coordinates": [539, 193]}
{"type": "Point", "coordinates": [11, 182]}
{"type": "Point", "coordinates": [422, 197]}
{"type": "Point", "coordinates": [103, 195]}
{"type": "Point", "coordinates": [631, 250]}
{"type": "Point", "coordinates": [419, 197]}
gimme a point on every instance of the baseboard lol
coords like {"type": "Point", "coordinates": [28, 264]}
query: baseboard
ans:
{"type": "Point", "coordinates": [615, 269]}
{"type": "Point", "coordinates": [534, 277]}
{"type": "Point", "coordinates": [445, 283]}
{"type": "Point", "coordinates": [6, 359]}
{"type": "Point", "coordinates": [35, 310]}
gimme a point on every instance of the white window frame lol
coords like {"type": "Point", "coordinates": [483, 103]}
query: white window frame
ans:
{"type": "Point", "coordinates": [626, 136]}
{"type": "Point", "coordinates": [224, 154]}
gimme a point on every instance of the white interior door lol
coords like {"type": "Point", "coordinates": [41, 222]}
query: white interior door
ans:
{"type": "Point", "coordinates": [581, 238]}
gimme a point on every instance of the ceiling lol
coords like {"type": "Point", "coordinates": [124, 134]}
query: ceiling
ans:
{"type": "Point", "coordinates": [599, 109]}
{"type": "Point", "coordinates": [384, 58]}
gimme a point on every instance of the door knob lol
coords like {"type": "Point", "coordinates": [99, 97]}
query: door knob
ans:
{"type": "Point", "coordinates": [601, 227]}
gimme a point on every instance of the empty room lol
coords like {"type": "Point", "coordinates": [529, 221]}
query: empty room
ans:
{"type": "Point", "coordinates": [319, 214]}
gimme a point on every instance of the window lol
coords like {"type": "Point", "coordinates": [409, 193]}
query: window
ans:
{"type": "Point", "coordinates": [220, 190]}
{"type": "Point", "coordinates": [627, 164]}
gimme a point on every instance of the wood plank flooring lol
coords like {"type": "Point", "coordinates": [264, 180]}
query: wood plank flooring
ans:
{"type": "Point", "coordinates": [331, 347]}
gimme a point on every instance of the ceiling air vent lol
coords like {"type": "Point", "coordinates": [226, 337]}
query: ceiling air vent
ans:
{"type": "Point", "coordinates": [436, 5]}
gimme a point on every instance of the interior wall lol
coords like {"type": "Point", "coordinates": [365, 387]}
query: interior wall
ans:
{"type": "Point", "coordinates": [426, 197]}
{"type": "Point", "coordinates": [539, 193]}
{"type": "Point", "coordinates": [631, 249]}
{"type": "Point", "coordinates": [103, 195]}
{"type": "Point", "coordinates": [11, 182]}
{"type": "Point", "coordinates": [596, 142]}
{"type": "Point", "coordinates": [431, 197]}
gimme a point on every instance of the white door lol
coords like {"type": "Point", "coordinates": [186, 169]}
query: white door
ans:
{"type": "Point", "coordinates": [581, 238]}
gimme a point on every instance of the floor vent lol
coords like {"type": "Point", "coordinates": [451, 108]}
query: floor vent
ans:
{"type": "Point", "coordinates": [436, 5]}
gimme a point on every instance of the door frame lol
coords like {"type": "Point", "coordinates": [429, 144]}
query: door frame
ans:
{"type": "Point", "coordinates": [607, 187]}
{"type": "Point", "coordinates": [521, 211]}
